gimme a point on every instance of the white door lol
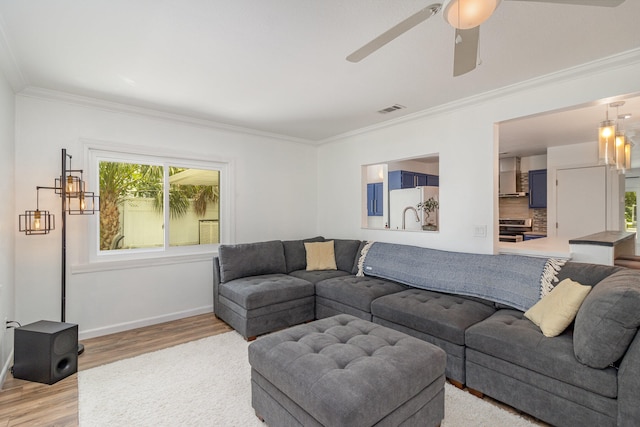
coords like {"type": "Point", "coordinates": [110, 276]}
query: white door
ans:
{"type": "Point", "coordinates": [581, 205]}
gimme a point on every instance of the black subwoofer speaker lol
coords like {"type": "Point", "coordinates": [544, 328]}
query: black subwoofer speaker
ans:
{"type": "Point", "coordinates": [45, 351]}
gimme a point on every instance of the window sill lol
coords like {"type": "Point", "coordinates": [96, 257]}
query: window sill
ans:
{"type": "Point", "coordinates": [96, 267]}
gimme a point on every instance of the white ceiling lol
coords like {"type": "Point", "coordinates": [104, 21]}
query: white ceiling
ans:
{"type": "Point", "coordinates": [278, 66]}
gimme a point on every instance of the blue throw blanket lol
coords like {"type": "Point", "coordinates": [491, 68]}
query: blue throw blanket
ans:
{"type": "Point", "coordinates": [513, 280]}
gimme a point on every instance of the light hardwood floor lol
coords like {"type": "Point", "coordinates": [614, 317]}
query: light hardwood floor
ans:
{"type": "Point", "coordinates": [24, 403]}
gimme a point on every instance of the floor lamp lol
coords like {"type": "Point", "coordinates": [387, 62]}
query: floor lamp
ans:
{"type": "Point", "coordinates": [75, 201]}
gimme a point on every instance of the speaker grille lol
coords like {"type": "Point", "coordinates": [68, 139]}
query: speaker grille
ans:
{"type": "Point", "coordinates": [64, 342]}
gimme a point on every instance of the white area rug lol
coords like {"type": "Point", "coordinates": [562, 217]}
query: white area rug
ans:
{"type": "Point", "coordinates": [207, 383]}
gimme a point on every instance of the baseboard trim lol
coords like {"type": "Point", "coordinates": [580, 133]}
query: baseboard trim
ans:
{"type": "Point", "coordinates": [5, 368]}
{"type": "Point", "coordinates": [125, 326]}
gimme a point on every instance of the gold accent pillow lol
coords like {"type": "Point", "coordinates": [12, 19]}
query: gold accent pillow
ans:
{"type": "Point", "coordinates": [555, 312]}
{"type": "Point", "coordinates": [320, 256]}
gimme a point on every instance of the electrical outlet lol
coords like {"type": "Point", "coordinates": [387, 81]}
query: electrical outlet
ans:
{"type": "Point", "coordinates": [479, 231]}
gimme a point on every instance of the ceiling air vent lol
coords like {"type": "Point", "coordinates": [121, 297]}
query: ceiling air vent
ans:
{"type": "Point", "coordinates": [391, 109]}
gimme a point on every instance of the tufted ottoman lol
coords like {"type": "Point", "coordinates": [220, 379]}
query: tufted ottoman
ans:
{"type": "Point", "coordinates": [345, 371]}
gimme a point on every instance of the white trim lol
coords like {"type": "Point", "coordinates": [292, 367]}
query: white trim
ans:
{"type": "Point", "coordinates": [93, 150]}
{"type": "Point", "coordinates": [117, 107]}
{"type": "Point", "coordinates": [134, 324]}
{"type": "Point", "coordinates": [5, 367]}
{"type": "Point", "coordinates": [140, 262]}
{"type": "Point", "coordinates": [611, 62]}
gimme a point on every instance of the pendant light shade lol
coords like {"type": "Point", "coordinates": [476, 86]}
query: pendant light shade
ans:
{"type": "Point", "coordinates": [606, 142]}
{"type": "Point", "coordinates": [627, 155]}
{"type": "Point", "coordinates": [465, 14]}
{"type": "Point", "coordinates": [621, 142]}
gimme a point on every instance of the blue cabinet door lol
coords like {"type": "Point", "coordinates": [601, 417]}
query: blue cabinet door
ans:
{"type": "Point", "coordinates": [374, 199]}
{"type": "Point", "coordinates": [538, 188]}
{"type": "Point", "coordinates": [378, 199]}
{"type": "Point", "coordinates": [406, 179]}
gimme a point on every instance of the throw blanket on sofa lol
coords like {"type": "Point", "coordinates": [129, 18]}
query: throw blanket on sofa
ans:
{"type": "Point", "coordinates": [513, 280]}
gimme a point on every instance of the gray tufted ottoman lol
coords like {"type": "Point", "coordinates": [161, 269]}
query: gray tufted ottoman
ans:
{"type": "Point", "coordinates": [345, 371]}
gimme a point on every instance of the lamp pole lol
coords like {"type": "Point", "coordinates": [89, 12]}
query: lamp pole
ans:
{"type": "Point", "coordinates": [63, 274]}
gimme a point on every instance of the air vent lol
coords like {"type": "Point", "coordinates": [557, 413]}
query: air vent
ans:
{"type": "Point", "coordinates": [391, 109]}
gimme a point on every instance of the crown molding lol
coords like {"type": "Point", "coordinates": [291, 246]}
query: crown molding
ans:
{"type": "Point", "coordinates": [623, 59]}
{"type": "Point", "coordinates": [116, 107]}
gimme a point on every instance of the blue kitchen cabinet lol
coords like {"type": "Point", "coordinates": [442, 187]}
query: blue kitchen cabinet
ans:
{"type": "Point", "coordinates": [538, 188]}
{"type": "Point", "coordinates": [374, 199]}
{"type": "Point", "coordinates": [407, 179]}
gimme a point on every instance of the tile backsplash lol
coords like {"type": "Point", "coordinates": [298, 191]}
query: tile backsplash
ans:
{"type": "Point", "coordinates": [518, 207]}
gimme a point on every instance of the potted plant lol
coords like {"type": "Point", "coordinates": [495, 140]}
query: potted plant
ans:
{"type": "Point", "coordinates": [428, 206]}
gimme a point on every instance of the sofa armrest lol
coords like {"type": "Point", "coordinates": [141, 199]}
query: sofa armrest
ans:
{"type": "Point", "coordinates": [216, 283]}
{"type": "Point", "coordinates": [629, 385]}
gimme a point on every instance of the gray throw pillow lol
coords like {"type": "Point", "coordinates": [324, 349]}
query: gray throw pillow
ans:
{"type": "Point", "coordinates": [251, 259]}
{"type": "Point", "coordinates": [346, 252]}
{"type": "Point", "coordinates": [295, 253]}
{"type": "Point", "coordinates": [608, 320]}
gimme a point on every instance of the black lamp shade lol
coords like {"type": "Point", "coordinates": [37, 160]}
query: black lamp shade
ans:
{"type": "Point", "coordinates": [73, 185]}
{"type": "Point", "coordinates": [37, 222]}
{"type": "Point", "coordinates": [87, 203]}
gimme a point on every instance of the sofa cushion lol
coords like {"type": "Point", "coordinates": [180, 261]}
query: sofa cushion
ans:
{"type": "Point", "coordinates": [295, 254]}
{"type": "Point", "coordinates": [265, 290]}
{"type": "Point", "coordinates": [320, 256]}
{"type": "Point", "coordinates": [556, 310]}
{"type": "Point", "coordinates": [585, 273]}
{"type": "Point", "coordinates": [608, 319]}
{"type": "Point", "coordinates": [509, 336]}
{"type": "Point", "coordinates": [356, 292]}
{"type": "Point", "coordinates": [318, 275]}
{"type": "Point", "coordinates": [440, 315]}
{"type": "Point", "coordinates": [251, 259]}
{"type": "Point", "coordinates": [347, 253]}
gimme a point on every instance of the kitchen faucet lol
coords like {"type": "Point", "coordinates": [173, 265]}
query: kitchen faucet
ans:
{"type": "Point", "coordinates": [404, 212]}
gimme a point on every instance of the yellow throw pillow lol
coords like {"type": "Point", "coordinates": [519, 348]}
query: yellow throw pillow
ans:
{"type": "Point", "coordinates": [320, 256]}
{"type": "Point", "coordinates": [554, 312]}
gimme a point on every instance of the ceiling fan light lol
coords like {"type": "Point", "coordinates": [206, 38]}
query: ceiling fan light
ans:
{"type": "Point", "coordinates": [465, 14]}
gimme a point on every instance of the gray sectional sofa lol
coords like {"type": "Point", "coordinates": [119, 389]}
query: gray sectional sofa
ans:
{"type": "Point", "coordinates": [588, 375]}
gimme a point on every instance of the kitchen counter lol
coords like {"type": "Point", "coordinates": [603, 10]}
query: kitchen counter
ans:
{"type": "Point", "coordinates": [604, 238]}
{"type": "Point", "coordinates": [545, 247]}
{"type": "Point", "coordinates": [603, 247]}
{"type": "Point", "coordinates": [598, 248]}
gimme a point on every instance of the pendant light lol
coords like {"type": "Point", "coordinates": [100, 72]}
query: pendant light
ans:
{"type": "Point", "coordinates": [606, 141]}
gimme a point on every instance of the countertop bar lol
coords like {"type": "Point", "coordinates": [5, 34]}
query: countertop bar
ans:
{"type": "Point", "coordinates": [546, 247]}
{"type": "Point", "coordinates": [603, 238]}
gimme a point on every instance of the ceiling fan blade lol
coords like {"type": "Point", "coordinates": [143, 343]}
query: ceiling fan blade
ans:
{"type": "Point", "coordinates": [394, 32]}
{"type": "Point", "coordinates": [465, 56]}
{"type": "Point", "coordinates": [602, 3]}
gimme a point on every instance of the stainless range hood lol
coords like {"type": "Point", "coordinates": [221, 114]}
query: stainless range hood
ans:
{"type": "Point", "coordinates": [510, 184]}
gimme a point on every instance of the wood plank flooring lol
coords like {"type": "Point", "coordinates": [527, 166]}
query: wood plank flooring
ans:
{"type": "Point", "coordinates": [24, 403]}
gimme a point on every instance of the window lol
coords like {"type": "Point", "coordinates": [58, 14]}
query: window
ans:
{"type": "Point", "coordinates": [152, 204]}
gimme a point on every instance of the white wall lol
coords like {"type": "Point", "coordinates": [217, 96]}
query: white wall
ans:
{"type": "Point", "coordinates": [275, 198]}
{"type": "Point", "coordinates": [463, 135]}
{"type": "Point", "coordinates": [581, 155]}
{"type": "Point", "coordinates": [7, 223]}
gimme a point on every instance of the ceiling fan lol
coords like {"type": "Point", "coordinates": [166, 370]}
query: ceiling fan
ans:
{"type": "Point", "coordinates": [465, 16]}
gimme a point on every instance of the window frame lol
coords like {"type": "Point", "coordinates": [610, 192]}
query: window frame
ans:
{"type": "Point", "coordinates": [97, 152]}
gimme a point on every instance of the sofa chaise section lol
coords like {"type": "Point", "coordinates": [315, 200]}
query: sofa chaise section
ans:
{"type": "Point", "coordinates": [253, 293]}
